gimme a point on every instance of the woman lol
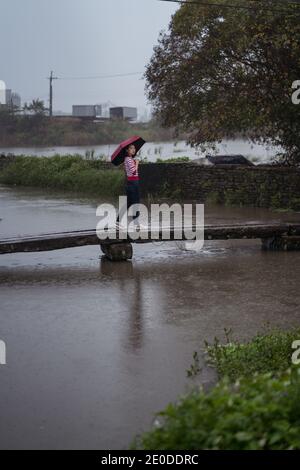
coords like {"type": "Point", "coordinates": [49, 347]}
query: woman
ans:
{"type": "Point", "coordinates": [132, 185]}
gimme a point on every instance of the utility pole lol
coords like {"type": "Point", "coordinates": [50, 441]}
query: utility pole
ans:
{"type": "Point", "coordinates": [51, 78]}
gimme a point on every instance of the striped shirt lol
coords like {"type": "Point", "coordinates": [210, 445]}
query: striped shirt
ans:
{"type": "Point", "coordinates": [130, 169]}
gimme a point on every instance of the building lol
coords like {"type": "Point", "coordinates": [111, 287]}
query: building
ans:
{"type": "Point", "coordinates": [87, 110]}
{"type": "Point", "coordinates": [98, 110]}
{"type": "Point", "coordinates": [8, 96]}
{"type": "Point", "coordinates": [10, 99]}
{"type": "Point", "coordinates": [123, 112]}
{"type": "Point", "coordinates": [84, 110]}
{"type": "Point", "coordinates": [16, 100]}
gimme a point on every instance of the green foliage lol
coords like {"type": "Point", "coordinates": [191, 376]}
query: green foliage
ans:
{"type": "Point", "coordinates": [295, 204]}
{"type": "Point", "coordinates": [264, 353]}
{"type": "Point", "coordinates": [166, 191]}
{"type": "Point", "coordinates": [276, 202]}
{"type": "Point", "coordinates": [71, 173]}
{"type": "Point", "coordinates": [36, 106]}
{"type": "Point", "coordinates": [238, 197]}
{"type": "Point", "coordinates": [195, 367]}
{"type": "Point", "coordinates": [173, 160]}
{"type": "Point", "coordinates": [214, 197]}
{"type": "Point", "coordinates": [257, 413]}
{"type": "Point", "coordinates": [223, 71]}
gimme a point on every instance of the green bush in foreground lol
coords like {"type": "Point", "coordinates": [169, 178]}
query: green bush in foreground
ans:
{"type": "Point", "coordinates": [261, 412]}
{"type": "Point", "coordinates": [270, 352]}
{"type": "Point", "coordinates": [70, 172]}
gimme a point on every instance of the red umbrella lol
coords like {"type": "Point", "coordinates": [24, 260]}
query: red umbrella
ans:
{"type": "Point", "coordinates": [120, 153]}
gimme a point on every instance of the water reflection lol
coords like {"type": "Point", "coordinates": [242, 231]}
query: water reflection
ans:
{"type": "Point", "coordinates": [129, 283]}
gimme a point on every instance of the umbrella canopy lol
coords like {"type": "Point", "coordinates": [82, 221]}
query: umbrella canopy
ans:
{"type": "Point", "coordinates": [120, 153]}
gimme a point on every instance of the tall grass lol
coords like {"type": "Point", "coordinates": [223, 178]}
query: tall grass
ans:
{"type": "Point", "coordinates": [71, 173]}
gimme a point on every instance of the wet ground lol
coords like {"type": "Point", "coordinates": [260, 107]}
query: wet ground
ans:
{"type": "Point", "coordinates": [94, 348]}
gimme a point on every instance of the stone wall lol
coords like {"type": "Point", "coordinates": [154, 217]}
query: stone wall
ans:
{"type": "Point", "coordinates": [261, 186]}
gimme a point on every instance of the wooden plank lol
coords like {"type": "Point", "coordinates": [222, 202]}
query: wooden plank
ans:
{"type": "Point", "coordinates": [61, 240]}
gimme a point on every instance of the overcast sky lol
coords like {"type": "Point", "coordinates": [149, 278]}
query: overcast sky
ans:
{"type": "Point", "coordinates": [79, 38]}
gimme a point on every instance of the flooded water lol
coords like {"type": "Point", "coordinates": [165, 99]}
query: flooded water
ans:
{"type": "Point", "coordinates": [94, 348]}
{"type": "Point", "coordinates": [154, 150]}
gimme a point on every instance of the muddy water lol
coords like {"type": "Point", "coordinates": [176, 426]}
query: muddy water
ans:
{"type": "Point", "coordinates": [95, 348]}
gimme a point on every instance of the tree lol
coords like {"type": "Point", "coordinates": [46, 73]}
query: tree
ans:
{"type": "Point", "coordinates": [220, 71]}
{"type": "Point", "coordinates": [36, 107]}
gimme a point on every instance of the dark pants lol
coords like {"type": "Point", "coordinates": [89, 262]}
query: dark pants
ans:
{"type": "Point", "coordinates": [133, 196]}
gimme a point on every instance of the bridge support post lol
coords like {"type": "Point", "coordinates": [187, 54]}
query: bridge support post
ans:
{"type": "Point", "coordinates": [281, 243]}
{"type": "Point", "coordinates": [117, 251]}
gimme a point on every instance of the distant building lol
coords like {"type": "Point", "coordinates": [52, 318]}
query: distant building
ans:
{"type": "Point", "coordinates": [16, 100]}
{"type": "Point", "coordinates": [98, 110]}
{"type": "Point", "coordinates": [11, 99]}
{"type": "Point", "coordinates": [84, 110]}
{"type": "Point", "coordinates": [7, 96]}
{"type": "Point", "coordinates": [123, 112]}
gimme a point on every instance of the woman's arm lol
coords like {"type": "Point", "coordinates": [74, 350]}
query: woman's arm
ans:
{"type": "Point", "coordinates": [137, 164]}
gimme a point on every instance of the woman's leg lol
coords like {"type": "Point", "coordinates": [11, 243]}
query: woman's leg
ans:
{"type": "Point", "coordinates": [122, 209]}
{"type": "Point", "coordinates": [136, 198]}
{"type": "Point", "coordinates": [133, 196]}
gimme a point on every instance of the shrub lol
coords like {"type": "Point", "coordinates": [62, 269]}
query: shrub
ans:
{"type": "Point", "coordinates": [173, 160]}
{"type": "Point", "coordinates": [264, 353]}
{"type": "Point", "coordinates": [261, 412]}
{"type": "Point", "coordinates": [71, 172]}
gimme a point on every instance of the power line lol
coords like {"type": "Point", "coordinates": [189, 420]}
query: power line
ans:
{"type": "Point", "coordinates": [244, 7]}
{"type": "Point", "coordinates": [96, 77]}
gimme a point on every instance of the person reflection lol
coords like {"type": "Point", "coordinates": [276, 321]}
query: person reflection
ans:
{"type": "Point", "coordinates": [129, 282]}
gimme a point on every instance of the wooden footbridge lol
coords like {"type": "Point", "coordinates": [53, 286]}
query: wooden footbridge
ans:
{"type": "Point", "coordinates": [275, 236]}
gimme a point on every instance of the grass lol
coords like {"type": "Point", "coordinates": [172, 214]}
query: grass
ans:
{"type": "Point", "coordinates": [71, 173]}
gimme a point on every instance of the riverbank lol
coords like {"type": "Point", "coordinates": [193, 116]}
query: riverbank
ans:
{"type": "Point", "coordinates": [176, 178]}
{"type": "Point", "coordinates": [39, 130]}
{"type": "Point", "coordinates": [255, 406]}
